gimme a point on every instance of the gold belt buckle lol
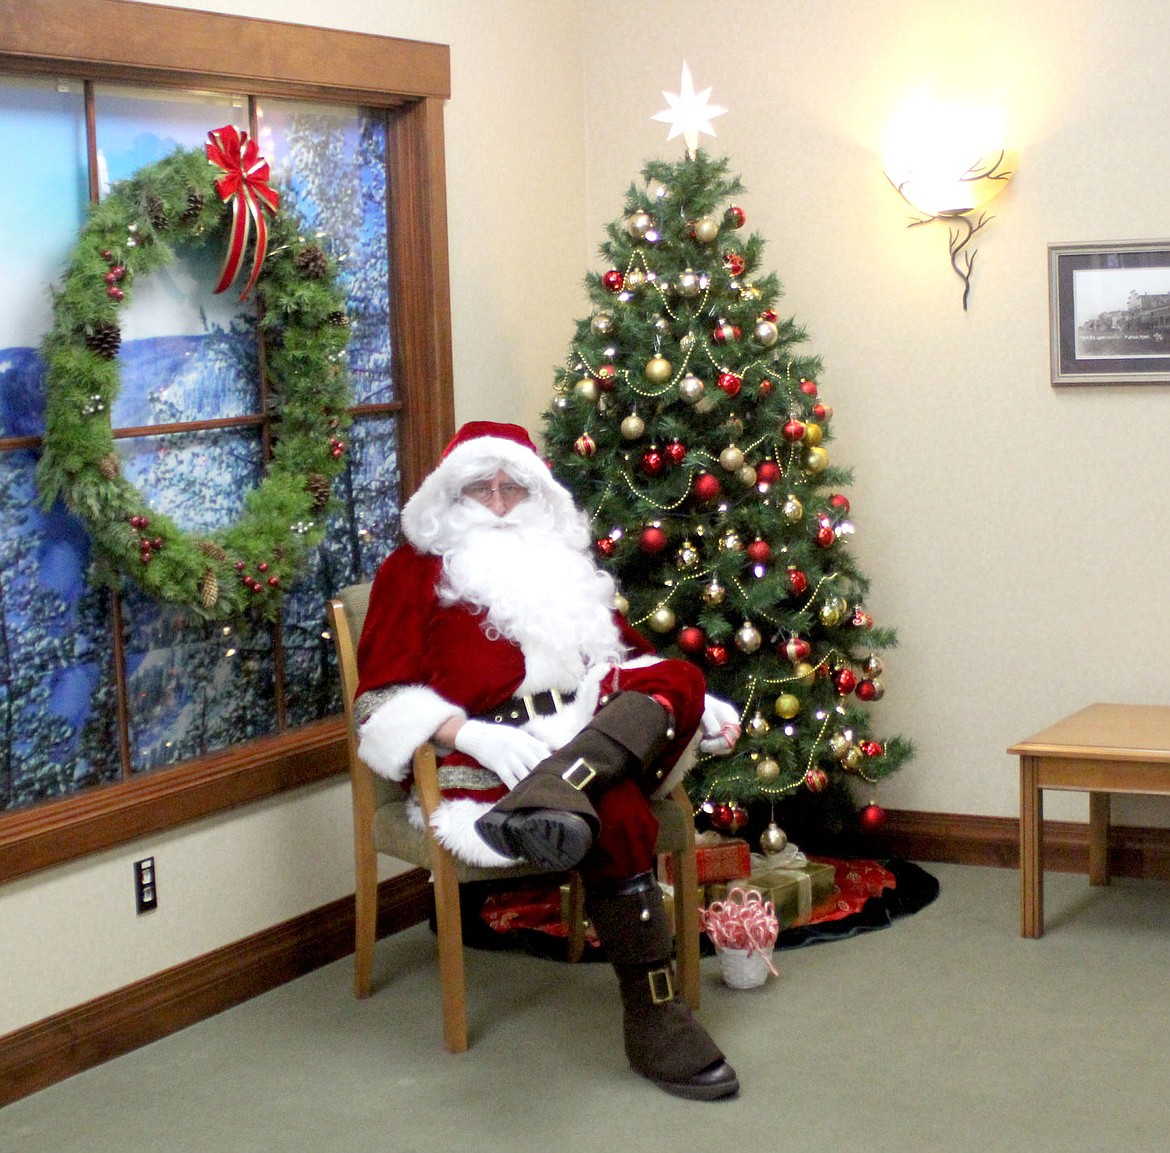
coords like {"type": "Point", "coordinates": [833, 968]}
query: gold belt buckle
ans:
{"type": "Point", "coordinates": [661, 986]}
{"type": "Point", "coordinates": [579, 774]}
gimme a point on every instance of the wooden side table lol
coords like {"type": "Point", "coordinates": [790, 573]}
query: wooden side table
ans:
{"type": "Point", "coordinates": [1102, 749]}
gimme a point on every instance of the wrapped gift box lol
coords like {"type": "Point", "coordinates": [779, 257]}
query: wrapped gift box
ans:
{"type": "Point", "coordinates": [797, 894]}
{"type": "Point", "coordinates": [718, 857]}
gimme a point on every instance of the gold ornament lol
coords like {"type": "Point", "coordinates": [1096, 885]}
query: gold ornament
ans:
{"type": "Point", "coordinates": [792, 509]}
{"type": "Point", "coordinates": [633, 426]}
{"type": "Point", "coordinates": [687, 341]}
{"type": "Point", "coordinates": [713, 594]}
{"type": "Point", "coordinates": [620, 604]}
{"type": "Point", "coordinates": [586, 388]}
{"type": "Point", "coordinates": [748, 640]}
{"type": "Point", "coordinates": [746, 476]}
{"type": "Point", "coordinates": [787, 706]}
{"type": "Point", "coordinates": [803, 671]}
{"type": "Point", "coordinates": [638, 224]}
{"type": "Point", "coordinates": [691, 389]}
{"type": "Point", "coordinates": [816, 460]}
{"type": "Point", "coordinates": [601, 324]}
{"type": "Point", "coordinates": [731, 458]}
{"type": "Point", "coordinates": [767, 770]}
{"type": "Point", "coordinates": [773, 839]}
{"type": "Point", "coordinates": [830, 614]}
{"type": "Point", "coordinates": [706, 229]}
{"type": "Point", "coordinates": [873, 666]}
{"type": "Point", "coordinates": [852, 758]}
{"type": "Point", "coordinates": [758, 726]}
{"type": "Point", "coordinates": [658, 369]}
{"type": "Point", "coordinates": [688, 283]}
{"type": "Point", "coordinates": [688, 555]}
{"type": "Point", "coordinates": [730, 542]}
{"type": "Point", "coordinates": [813, 433]}
{"type": "Point", "coordinates": [767, 333]}
{"type": "Point", "coordinates": [662, 619]}
{"type": "Point", "coordinates": [635, 279]}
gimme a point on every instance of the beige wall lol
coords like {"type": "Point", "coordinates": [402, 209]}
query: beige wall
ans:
{"type": "Point", "coordinates": [1015, 535]}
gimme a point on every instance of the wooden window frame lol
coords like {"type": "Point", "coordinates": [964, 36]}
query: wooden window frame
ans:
{"type": "Point", "coordinates": [120, 41]}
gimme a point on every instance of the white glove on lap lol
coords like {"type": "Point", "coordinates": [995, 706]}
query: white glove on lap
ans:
{"type": "Point", "coordinates": [719, 726]}
{"type": "Point", "coordinates": [510, 753]}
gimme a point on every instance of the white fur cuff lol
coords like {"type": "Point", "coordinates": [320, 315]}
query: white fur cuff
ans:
{"type": "Point", "coordinates": [407, 719]}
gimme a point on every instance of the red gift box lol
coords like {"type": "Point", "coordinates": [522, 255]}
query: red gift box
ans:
{"type": "Point", "coordinates": [718, 857]}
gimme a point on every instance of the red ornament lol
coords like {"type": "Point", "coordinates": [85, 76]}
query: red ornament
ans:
{"type": "Point", "coordinates": [274, 582]}
{"type": "Point", "coordinates": [739, 818]}
{"type": "Point", "coordinates": [707, 487]}
{"type": "Point", "coordinates": [735, 216]}
{"type": "Point", "coordinates": [765, 386]}
{"type": "Point", "coordinates": [759, 551]}
{"type": "Point", "coordinates": [676, 451]}
{"type": "Point", "coordinates": [840, 503]}
{"type": "Point", "coordinates": [862, 619]}
{"type": "Point", "coordinates": [844, 681]}
{"type": "Point", "coordinates": [716, 655]}
{"type": "Point", "coordinates": [796, 649]}
{"type": "Point", "coordinates": [770, 314]}
{"type": "Point", "coordinates": [721, 817]}
{"type": "Point", "coordinates": [606, 378]}
{"type": "Point", "coordinates": [822, 411]}
{"type": "Point", "coordinates": [808, 388]}
{"type": "Point", "coordinates": [816, 780]}
{"type": "Point", "coordinates": [767, 472]}
{"type": "Point", "coordinates": [725, 333]}
{"type": "Point", "coordinates": [872, 748]}
{"type": "Point", "coordinates": [871, 818]}
{"type": "Point", "coordinates": [114, 292]}
{"type": "Point", "coordinates": [870, 690]}
{"type": "Point", "coordinates": [613, 281]}
{"type": "Point", "coordinates": [734, 263]}
{"type": "Point", "coordinates": [793, 431]}
{"type": "Point", "coordinates": [730, 383]}
{"type": "Point", "coordinates": [825, 536]}
{"type": "Point", "coordinates": [605, 547]}
{"type": "Point", "coordinates": [652, 540]}
{"type": "Point", "coordinates": [797, 581]}
{"type": "Point", "coordinates": [584, 445]}
{"type": "Point", "coordinates": [692, 640]}
{"type": "Point", "coordinates": [653, 462]}
{"type": "Point", "coordinates": [262, 566]}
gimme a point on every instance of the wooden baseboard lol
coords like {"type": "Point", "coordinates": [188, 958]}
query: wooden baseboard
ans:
{"type": "Point", "coordinates": [51, 1050]}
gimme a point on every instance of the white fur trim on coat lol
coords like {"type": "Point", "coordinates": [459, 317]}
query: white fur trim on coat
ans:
{"type": "Point", "coordinates": [401, 723]}
{"type": "Point", "coordinates": [454, 827]}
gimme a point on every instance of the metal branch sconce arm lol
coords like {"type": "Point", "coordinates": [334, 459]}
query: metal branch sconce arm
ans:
{"type": "Point", "coordinates": [955, 201]}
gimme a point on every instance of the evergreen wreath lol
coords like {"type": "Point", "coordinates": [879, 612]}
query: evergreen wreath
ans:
{"type": "Point", "coordinates": [132, 232]}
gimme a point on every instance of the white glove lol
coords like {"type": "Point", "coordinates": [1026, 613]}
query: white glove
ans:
{"type": "Point", "coordinates": [719, 726]}
{"type": "Point", "coordinates": [510, 753]}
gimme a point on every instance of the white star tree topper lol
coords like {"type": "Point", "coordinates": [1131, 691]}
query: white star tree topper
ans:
{"type": "Point", "coordinates": [689, 113]}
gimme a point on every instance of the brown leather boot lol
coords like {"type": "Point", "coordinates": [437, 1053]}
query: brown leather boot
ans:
{"type": "Point", "coordinates": [664, 1042]}
{"type": "Point", "coordinates": [548, 817]}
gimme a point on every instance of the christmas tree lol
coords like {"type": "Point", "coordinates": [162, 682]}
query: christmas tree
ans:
{"type": "Point", "coordinates": [693, 433]}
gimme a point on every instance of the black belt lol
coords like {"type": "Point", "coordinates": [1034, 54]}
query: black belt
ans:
{"type": "Point", "coordinates": [521, 710]}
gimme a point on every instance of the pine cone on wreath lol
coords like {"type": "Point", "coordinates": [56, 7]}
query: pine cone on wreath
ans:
{"type": "Point", "coordinates": [339, 319]}
{"type": "Point", "coordinates": [312, 263]}
{"type": "Point", "coordinates": [110, 466]}
{"type": "Point", "coordinates": [195, 202]}
{"type": "Point", "coordinates": [210, 549]}
{"type": "Point", "coordinates": [156, 212]}
{"type": "Point", "coordinates": [208, 589]}
{"type": "Point", "coordinates": [104, 338]}
{"type": "Point", "coordinates": [318, 487]}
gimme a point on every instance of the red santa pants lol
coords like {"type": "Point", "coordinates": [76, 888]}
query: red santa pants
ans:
{"type": "Point", "coordinates": [625, 845]}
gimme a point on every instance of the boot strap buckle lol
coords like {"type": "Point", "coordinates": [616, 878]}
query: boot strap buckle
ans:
{"type": "Point", "coordinates": [579, 774]}
{"type": "Point", "coordinates": [661, 986]}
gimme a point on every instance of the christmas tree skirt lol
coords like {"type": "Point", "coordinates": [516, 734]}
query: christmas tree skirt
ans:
{"type": "Point", "coordinates": [527, 916]}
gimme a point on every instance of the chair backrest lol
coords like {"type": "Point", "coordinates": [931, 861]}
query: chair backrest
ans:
{"type": "Point", "coordinates": [347, 615]}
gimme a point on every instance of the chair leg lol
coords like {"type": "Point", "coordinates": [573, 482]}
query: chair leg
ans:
{"type": "Point", "coordinates": [686, 912]}
{"type": "Point", "coordinates": [576, 943]}
{"type": "Point", "coordinates": [365, 921]}
{"type": "Point", "coordinates": [450, 930]}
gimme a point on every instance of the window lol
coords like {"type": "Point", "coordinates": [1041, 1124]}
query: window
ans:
{"type": "Point", "coordinates": [99, 691]}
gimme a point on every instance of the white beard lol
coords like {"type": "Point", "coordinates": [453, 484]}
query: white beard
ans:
{"type": "Point", "coordinates": [536, 589]}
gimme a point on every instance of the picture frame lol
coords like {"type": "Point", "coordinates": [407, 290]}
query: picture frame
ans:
{"type": "Point", "coordinates": [1109, 312]}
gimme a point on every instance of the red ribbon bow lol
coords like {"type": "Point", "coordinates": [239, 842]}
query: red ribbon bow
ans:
{"type": "Point", "coordinates": [245, 184]}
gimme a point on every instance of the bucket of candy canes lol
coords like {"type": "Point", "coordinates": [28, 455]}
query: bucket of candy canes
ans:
{"type": "Point", "coordinates": [743, 928]}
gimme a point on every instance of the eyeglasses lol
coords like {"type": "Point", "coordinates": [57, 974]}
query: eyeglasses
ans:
{"type": "Point", "coordinates": [509, 492]}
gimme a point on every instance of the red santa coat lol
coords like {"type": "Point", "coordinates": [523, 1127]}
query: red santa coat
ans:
{"type": "Point", "coordinates": [421, 662]}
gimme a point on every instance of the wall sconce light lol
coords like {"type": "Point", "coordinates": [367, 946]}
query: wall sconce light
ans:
{"type": "Point", "coordinates": [929, 162]}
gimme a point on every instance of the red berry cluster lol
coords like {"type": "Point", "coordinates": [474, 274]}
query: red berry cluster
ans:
{"type": "Point", "coordinates": [147, 546]}
{"type": "Point", "coordinates": [256, 584]}
{"type": "Point", "coordinates": [336, 447]}
{"type": "Point", "coordinates": [115, 274]}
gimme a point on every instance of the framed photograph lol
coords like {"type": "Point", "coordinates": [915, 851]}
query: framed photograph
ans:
{"type": "Point", "coordinates": [1109, 307]}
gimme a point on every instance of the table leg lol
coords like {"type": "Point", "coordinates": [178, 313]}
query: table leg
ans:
{"type": "Point", "coordinates": [1031, 849]}
{"type": "Point", "coordinates": [1098, 838]}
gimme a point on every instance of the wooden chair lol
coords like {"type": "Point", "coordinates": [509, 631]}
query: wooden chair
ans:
{"type": "Point", "coordinates": [380, 825]}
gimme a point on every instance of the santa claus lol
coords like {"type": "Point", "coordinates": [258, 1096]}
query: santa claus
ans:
{"type": "Point", "coordinates": [492, 633]}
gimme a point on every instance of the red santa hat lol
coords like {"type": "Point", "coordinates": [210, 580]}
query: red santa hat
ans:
{"type": "Point", "coordinates": [479, 450]}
